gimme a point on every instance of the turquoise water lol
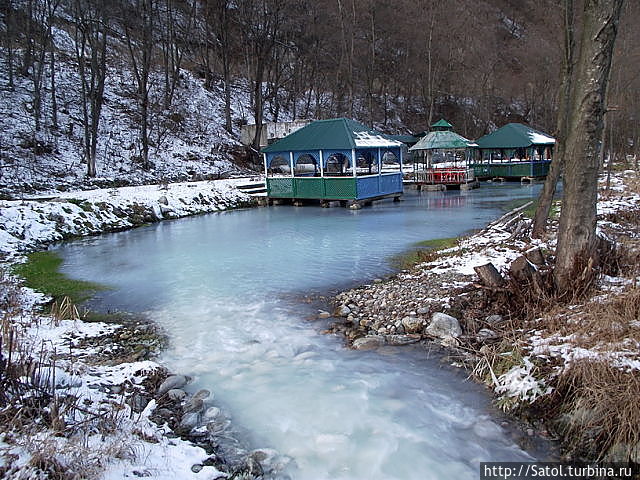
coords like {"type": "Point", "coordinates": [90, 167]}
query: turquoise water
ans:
{"type": "Point", "coordinates": [222, 284]}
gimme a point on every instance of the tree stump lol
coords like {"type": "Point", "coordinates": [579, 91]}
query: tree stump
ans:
{"type": "Point", "coordinates": [489, 275]}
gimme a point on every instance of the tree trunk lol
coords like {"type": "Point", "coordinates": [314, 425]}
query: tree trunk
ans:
{"type": "Point", "coordinates": [577, 229]}
{"type": "Point", "coordinates": [555, 169]}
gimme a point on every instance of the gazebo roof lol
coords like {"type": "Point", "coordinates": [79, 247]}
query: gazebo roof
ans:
{"type": "Point", "coordinates": [333, 134]}
{"type": "Point", "coordinates": [442, 124]}
{"type": "Point", "coordinates": [515, 135]}
{"type": "Point", "coordinates": [442, 139]}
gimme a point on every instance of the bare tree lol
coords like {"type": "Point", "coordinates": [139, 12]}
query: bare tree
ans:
{"type": "Point", "coordinates": [141, 56]}
{"type": "Point", "coordinates": [91, 39]}
{"type": "Point", "coordinates": [562, 128]}
{"type": "Point", "coordinates": [577, 229]}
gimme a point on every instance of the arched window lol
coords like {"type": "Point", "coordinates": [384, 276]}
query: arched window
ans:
{"type": "Point", "coordinates": [337, 164]}
{"type": "Point", "coordinates": [279, 166]}
{"type": "Point", "coordinates": [306, 166]}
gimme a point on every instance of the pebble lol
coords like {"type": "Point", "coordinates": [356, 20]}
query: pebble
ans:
{"type": "Point", "coordinates": [196, 468]}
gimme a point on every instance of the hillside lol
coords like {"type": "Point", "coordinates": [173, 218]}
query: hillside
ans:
{"type": "Point", "coordinates": [156, 90]}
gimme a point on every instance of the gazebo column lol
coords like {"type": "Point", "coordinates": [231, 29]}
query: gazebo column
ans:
{"type": "Point", "coordinates": [266, 169]}
{"type": "Point", "coordinates": [379, 171]}
{"type": "Point", "coordinates": [353, 161]}
{"type": "Point", "coordinates": [401, 160]}
{"type": "Point", "coordinates": [291, 163]}
{"type": "Point", "coordinates": [321, 157]}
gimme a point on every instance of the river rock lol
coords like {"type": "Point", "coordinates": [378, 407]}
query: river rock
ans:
{"type": "Point", "coordinates": [412, 324]}
{"type": "Point", "coordinates": [189, 422]}
{"type": "Point", "coordinates": [343, 311]}
{"type": "Point", "coordinates": [202, 394]}
{"type": "Point", "coordinates": [443, 325]}
{"type": "Point", "coordinates": [211, 413]}
{"type": "Point", "coordinates": [163, 200]}
{"type": "Point", "coordinates": [402, 339]}
{"type": "Point", "coordinates": [323, 314]}
{"type": "Point", "coordinates": [422, 311]}
{"type": "Point", "coordinates": [194, 405]}
{"type": "Point", "coordinates": [176, 394]}
{"type": "Point", "coordinates": [269, 459]}
{"type": "Point", "coordinates": [449, 342]}
{"type": "Point", "coordinates": [172, 381]}
{"type": "Point", "coordinates": [369, 342]}
{"type": "Point", "coordinates": [196, 468]}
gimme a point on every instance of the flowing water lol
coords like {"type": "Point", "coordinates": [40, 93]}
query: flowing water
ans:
{"type": "Point", "coordinates": [221, 285]}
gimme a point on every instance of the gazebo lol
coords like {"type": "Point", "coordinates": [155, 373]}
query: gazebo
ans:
{"type": "Point", "coordinates": [337, 159]}
{"type": "Point", "coordinates": [514, 151]}
{"type": "Point", "coordinates": [442, 157]}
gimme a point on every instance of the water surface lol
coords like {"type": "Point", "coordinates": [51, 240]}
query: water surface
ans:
{"type": "Point", "coordinates": [221, 286]}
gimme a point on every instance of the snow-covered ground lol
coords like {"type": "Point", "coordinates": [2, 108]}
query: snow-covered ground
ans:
{"type": "Point", "coordinates": [65, 352]}
{"type": "Point", "coordinates": [40, 221]}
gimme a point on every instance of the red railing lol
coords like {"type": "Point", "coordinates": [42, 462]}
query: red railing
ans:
{"type": "Point", "coordinates": [445, 176]}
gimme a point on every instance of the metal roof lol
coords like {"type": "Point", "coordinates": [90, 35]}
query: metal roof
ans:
{"type": "Point", "coordinates": [515, 135]}
{"type": "Point", "coordinates": [403, 138]}
{"type": "Point", "coordinates": [442, 124]}
{"type": "Point", "coordinates": [333, 134]}
{"type": "Point", "coordinates": [442, 139]}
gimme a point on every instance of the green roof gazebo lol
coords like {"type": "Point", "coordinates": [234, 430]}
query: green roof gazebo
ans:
{"type": "Point", "coordinates": [442, 157]}
{"type": "Point", "coordinates": [337, 159]}
{"type": "Point", "coordinates": [514, 151]}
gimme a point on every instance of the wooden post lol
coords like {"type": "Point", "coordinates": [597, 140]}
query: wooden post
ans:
{"type": "Point", "coordinates": [266, 170]}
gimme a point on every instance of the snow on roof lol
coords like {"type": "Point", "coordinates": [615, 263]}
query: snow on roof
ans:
{"type": "Point", "coordinates": [371, 139]}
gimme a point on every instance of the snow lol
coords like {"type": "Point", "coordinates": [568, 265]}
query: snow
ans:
{"type": "Point", "coordinates": [368, 139]}
{"type": "Point", "coordinates": [540, 138]}
{"type": "Point", "coordinates": [33, 223]}
{"type": "Point", "coordinates": [520, 383]}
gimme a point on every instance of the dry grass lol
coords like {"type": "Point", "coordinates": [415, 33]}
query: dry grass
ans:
{"type": "Point", "coordinates": [600, 410]}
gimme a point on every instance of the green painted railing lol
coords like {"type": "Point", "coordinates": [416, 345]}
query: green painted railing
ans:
{"type": "Point", "coordinates": [334, 188]}
{"type": "Point", "coordinates": [512, 169]}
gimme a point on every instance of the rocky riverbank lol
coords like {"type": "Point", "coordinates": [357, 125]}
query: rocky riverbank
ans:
{"type": "Point", "coordinates": [99, 376]}
{"type": "Point", "coordinates": [548, 362]}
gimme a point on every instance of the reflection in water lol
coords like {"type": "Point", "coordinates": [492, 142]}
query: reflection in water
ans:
{"type": "Point", "coordinates": [216, 283]}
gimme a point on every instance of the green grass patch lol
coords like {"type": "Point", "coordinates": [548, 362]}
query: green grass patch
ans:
{"type": "Point", "coordinates": [426, 252]}
{"type": "Point", "coordinates": [42, 273]}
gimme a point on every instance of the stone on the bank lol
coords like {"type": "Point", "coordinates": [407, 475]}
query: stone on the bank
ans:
{"type": "Point", "coordinates": [412, 324]}
{"type": "Point", "coordinates": [196, 468]}
{"type": "Point", "coordinates": [202, 394]}
{"type": "Point", "coordinates": [189, 422]}
{"type": "Point", "coordinates": [194, 405]}
{"type": "Point", "coordinates": [449, 342]}
{"type": "Point", "coordinates": [172, 381]}
{"type": "Point", "coordinates": [323, 314]}
{"type": "Point", "coordinates": [402, 339]}
{"type": "Point", "coordinates": [163, 200]}
{"type": "Point", "coordinates": [422, 311]}
{"type": "Point", "coordinates": [211, 413]}
{"type": "Point", "coordinates": [270, 460]}
{"type": "Point", "coordinates": [176, 394]}
{"type": "Point", "coordinates": [369, 342]}
{"type": "Point", "coordinates": [443, 325]}
{"type": "Point", "coordinates": [494, 319]}
{"type": "Point", "coordinates": [343, 311]}
{"type": "Point", "coordinates": [486, 334]}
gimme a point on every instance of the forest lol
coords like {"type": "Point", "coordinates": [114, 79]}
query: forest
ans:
{"type": "Point", "coordinates": [397, 66]}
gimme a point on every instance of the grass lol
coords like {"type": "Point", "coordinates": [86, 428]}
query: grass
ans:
{"type": "Point", "coordinates": [41, 272]}
{"type": "Point", "coordinates": [425, 252]}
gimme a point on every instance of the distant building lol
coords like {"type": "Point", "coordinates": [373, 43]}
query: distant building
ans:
{"type": "Point", "coordinates": [337, 159]}
{"type": "Point", "coordinates": [514, 151]}
{"type": "Point", "coordinates": [271, 131]}
{"type": "Point", "coordinates": [442, 157]}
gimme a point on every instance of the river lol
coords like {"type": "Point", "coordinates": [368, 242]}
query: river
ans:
{"type": "Point", "coordinates": [221, 285]}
